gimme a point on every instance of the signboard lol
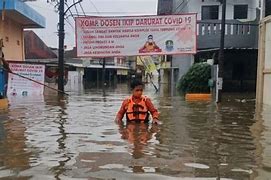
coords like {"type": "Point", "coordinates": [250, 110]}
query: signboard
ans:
{"type": "Point", "coordinates": [147, 62]}
{"type": "Point", "coordinates": [131, 36]}
{"type": "Point", "coordinates": [23, 87]}
{"type": "Point", "coordinates": [122, 72]}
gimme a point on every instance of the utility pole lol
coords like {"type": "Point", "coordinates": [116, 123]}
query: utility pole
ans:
{"type": "Point", "coordinates": [61, 36]}
{"type": "Point", "coordinates": [103, 73]}
{"type": "Point", "coordinates": [221, 54]}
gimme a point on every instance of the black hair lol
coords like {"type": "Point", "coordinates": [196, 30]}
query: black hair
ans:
{"type": "Point", "coordinates": [150, 36]}
{"type": "Point", "coordinates": [135, 83]}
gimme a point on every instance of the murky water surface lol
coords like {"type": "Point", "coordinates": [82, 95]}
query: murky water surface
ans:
{"type": "Point", "coordinates": [47, 138]}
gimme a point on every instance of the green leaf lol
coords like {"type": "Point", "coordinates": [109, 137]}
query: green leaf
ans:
{"type": "Point", "coordinates": [196, 79]}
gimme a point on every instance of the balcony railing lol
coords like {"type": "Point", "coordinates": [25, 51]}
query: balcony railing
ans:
{"type": "Point", "coordinates": [237, 34]}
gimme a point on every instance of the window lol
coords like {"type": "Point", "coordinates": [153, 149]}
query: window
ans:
{"type": "Point", "coordinates": [165, 7]}
{"type": "Point", "coordinates": [240, 11]}
{"type": "Point", "coordinates": [209, 12]}
{"type": "Point", "coordinates": [268, 8]}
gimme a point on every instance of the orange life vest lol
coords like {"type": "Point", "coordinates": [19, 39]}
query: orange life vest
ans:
{"type": "Point", "coordinates": [137, 111]}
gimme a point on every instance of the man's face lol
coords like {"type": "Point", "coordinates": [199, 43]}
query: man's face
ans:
{"type": "Point", "coordinates": [150, 40]}
{"type": "Point", "coordinates": [138, 91]}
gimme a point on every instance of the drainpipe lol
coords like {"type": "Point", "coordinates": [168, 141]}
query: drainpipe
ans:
{"type": "Point", "coordinates": [262, 8]}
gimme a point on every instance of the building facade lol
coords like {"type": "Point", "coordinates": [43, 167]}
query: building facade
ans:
{"type": "Point", "coordinates": [15, 17]}
{"type": "Point", "coordinates": [241, 38]}
{"type": "Point", "coordinates": [211, 9]}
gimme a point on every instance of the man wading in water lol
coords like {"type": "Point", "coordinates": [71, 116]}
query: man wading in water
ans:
{"type": "Point", "coordinates": [137, 107]}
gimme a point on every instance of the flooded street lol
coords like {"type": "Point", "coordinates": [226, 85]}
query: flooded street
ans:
{"type": "Point", "coordinates": [48, 138]}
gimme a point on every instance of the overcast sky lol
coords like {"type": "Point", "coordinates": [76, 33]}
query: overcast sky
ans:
{"type": "Point", "coordinates": [91, 7]}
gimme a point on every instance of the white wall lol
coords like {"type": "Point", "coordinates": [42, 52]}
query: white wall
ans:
{"type": "Point", "coordinates": [195, 6]}
{"type": "Point", "coordinates": [75, 81]}
{"type": "Point", "coordinates": [12, 34]}
{"type": "Point", "coordinates": [264, 63]}
{"type": "Point", "coordinates": [183, 62]}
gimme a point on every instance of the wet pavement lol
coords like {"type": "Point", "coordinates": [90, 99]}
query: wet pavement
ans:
{"type": "Point", "coordinates": [76, 138]}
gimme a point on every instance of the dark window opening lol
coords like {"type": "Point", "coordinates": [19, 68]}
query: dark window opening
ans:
{"type": "Point", "coordinates": [210, 12]}
{"type": "Point", "coordinates": [268, 8]}
{"type": "Point", "coordinates": [240, 11]}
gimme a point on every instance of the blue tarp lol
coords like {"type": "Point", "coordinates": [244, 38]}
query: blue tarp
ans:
{"type": "Point", "coordinates": [2, 82]}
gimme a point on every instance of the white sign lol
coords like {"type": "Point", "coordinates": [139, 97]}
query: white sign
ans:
{"type": "Point", "coordinates": [130, 36]}
{"type": "Point", "coordinates": [219, 83]}
{"type": "Point", "coordinates": [18, 86]}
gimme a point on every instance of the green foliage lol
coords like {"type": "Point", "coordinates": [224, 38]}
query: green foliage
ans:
{"type": "Point", "coordinates": [196, 79]}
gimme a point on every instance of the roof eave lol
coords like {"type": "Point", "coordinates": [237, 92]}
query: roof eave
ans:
{"type": "Point", "coordinates": [24, 14]}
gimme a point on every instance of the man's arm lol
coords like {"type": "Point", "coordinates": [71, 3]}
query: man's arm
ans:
{"type": "Point", "coordinates": [154, 112]}
{"type": "Point", "coordinates": [122, 111]}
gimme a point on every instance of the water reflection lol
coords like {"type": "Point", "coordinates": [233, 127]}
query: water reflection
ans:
{"type": "Point", "coordinates": [61, 121]}
{"type": "Point", "coordinates": [262, 131]}
{"type": "Point", "coordinates": [76, 137]}
{"type": "Point", "coordinates": [138, 135]}
{"type": "Point", "coordinates": [223, 139]}
{"type": "Point", "coordinates": [14, 154]}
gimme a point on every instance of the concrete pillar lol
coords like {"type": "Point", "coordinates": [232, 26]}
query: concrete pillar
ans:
{"type": "Point", "coordinates": [172, 82]}
{"type": "Point", "coordinates": [183, 63]}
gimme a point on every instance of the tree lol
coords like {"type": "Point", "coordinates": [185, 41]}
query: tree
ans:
{"type": "Point", "coordinates": [196, 79]}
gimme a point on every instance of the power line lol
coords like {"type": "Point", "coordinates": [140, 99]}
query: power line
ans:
{"type": "Point", "coordinates": [82, 9]}
{"type": "Point", "coordinates": [179, 6]}
{"type": "Point", "coordinates": [54, 4]}
{"type": "Point", "coordinates": [75, 7]}
{"type": "Point", "coordinates": [185, 5]}
{"type": "Point", "coordinates": [69, 11]}
{"type": "Point", "coordinates": [68, 21]}
{"type": "Point", "coordinates": [94, 6]}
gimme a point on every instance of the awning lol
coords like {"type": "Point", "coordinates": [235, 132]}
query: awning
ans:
{"type": "Point", "coordinates": [22, 13]}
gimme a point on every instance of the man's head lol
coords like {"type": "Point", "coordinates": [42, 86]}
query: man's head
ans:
{"type": "Point", "coordinates": [150, 38]}
{"type": "Point", "coordinates": [137, 88]}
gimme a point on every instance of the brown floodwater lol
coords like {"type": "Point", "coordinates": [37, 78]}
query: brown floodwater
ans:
{"type": "Point", "coordinates": [76, 138]}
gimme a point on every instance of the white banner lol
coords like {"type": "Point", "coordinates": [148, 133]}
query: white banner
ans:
{"type": "Point", "coordinates": [130, 36]}
{"type": "Point", "coordinates": [23, 87]}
